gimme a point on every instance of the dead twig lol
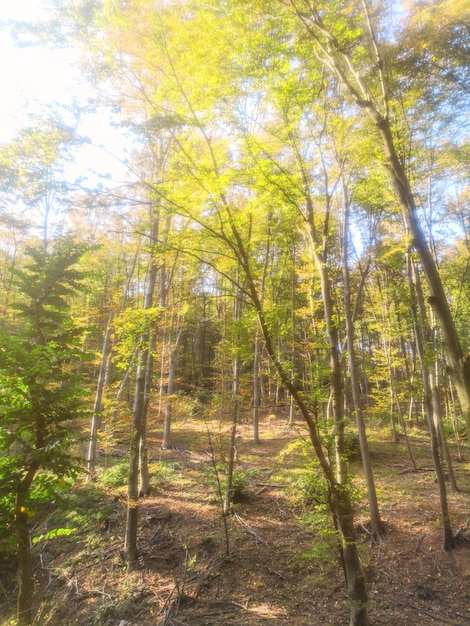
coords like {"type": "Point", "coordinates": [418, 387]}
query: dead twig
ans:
{"type": "Point", "coordinates": [271, 485]}
{"type": "Point", "coordinates": [251, 530]}
{"type": "Point", "coordinates": [462, 536]}
{"type": "Point", "coordinates": [434, 616]}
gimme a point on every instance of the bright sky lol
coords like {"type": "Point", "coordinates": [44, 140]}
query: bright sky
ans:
{"type": "Point", "coordinates": [35, 76]}
{"type": "Point", "coordinates": [29, 75]}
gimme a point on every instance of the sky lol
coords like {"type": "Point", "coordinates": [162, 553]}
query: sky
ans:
{"type": "Point", "coordinates": [32, 77]}
{"type": "Point", "coordinates": [29, 75]}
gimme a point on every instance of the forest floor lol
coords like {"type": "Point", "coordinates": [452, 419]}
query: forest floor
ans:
{"type": "Point", "coordinates": [282, 565]}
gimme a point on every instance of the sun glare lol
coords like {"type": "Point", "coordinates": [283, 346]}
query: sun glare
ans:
{"type": "Point", "coordinates": [31, 76]}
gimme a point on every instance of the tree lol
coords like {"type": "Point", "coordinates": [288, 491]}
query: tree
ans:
{"type": "Point", "coordinates": [34, 178]}
{"type": "Point", "coordinates": [251, 100]}
{"type": "Point", "coordinates": [361, 68]}
{"type": "Point", "coordinates": [377, 526]}
{"type": "Point", "coordinates": [40, 395]}
{"type": "Point", "coordinates": [431, 400]}
{"type": "Point", "coordinates": [138, 444]}
{"type": "Point", "coordinates": [183, 87]}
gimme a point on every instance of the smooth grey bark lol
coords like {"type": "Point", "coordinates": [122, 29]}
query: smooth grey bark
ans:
{"type": "Point", "coordinates": [131, 553]}
{"type": "Point", "coordinates": [438, 420]}
{"type": "Point", "coordinates": [138, 463]}
{"type": "Point", "coordinates": [144, 475]}
{"type": "Point", "coordinates": [172, 362]}
{"type": "Point", "coordinates": [377, 526]}
{"type": "Point", "coordinates": [293, 351]}
{"type": "Point", "coordinates": [258, 387]}
{"type": "Point", "coordinates": [422, 338]}
{"type": "Point", "coordinates": [236, 370]}
{"type": "Point", "coordinates": [257, 382]}
{"type": "Point", "coordinates": [97, 416]}
{"type": "Point", "coordinates": [452, 409]}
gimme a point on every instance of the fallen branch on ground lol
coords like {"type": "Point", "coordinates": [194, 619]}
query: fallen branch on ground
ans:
{"type": "Point", "coordinates": [252, 531]}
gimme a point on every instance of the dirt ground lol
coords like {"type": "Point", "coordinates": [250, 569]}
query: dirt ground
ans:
{"type": "Point", "coordinates": [279, 569]}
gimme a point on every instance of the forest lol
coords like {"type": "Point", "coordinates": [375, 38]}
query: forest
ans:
{"type": "Point", "coordinates": [235, 371]}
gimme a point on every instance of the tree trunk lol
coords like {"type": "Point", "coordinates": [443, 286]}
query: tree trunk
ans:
{"type": "Point", "coordinates": [130, 542]}
{"type": "Point", "coordinates": [437, 415]}
{"type": "Point", "coordinates": [459, 367]}
{"type": "Point", "coordinates": [173, 359]}
{"type": "Point", "coordinates": [144, 487]}
{"type": "Point", "coordinates": [338, 59]}
{"type": "Point", "coordinates": [144, 474]}
{"type": "Point", "coordinates": [341, 506]}
{"type": "Point", "coordinates": [25, 570]}
{"type": "Point", "coordinates": [138, 451]}
{"type": "Point", "coordinates": [98, 406]}
{"type": "Point", "coordinates": [377, 527]}
{"type": "Point", "coordinates": [340, 503]}
{"type": "Point", "coordinates": [236, 368]}
{"type": "Point", "coordinates": [421, 331]}
{"type": "Point", "coordinates": [395, 399]}
{"type": "Point", "coordinates": [256, 387]}
{"type": "Point", "coordinates": [355, 582]}
{"type": "Point", "coordinates": [229, 491]}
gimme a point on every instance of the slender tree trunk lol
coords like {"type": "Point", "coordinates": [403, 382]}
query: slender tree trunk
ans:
{"type": "Point", "coordinates": [172, 361]}
{"type": "Point", "coordinates": [25, 569]}
{"type": "Point", "coordinates": [421, 331]}
{"type": "Point", "coordinates": [355, 582]}
{"type": "Point", "coordinates": [131, 553]}
{"type": "Point", "coordinates": [451, 408]}
{"type": "Point", "coordinates": [340, 503]}
{"type": "Point", "coordinates": [163, 354]}
{"type": "Point", "coordinates": [437, 402]}
{"type": "Point", "coordinates": [23, 543]}
{"type": "Point", "coordinates": [293, 358]}
{"type": "Point", "coordinates": [377, 527]}
{"type": "Point", "coordinates": [459, 368]}
{"type": "Point", "coordinates": [138, 463]}
{"type": "Point", "coordinates": [236, 367]}
{"type": "Point", "coordinates": [96, 419]}
{"type": "Point", "coordinates": [394, 397]}
{"type": "Point", "coordinates": [256, 387]}
{"type": "Point", "coordinates": [137, 435]}
{"type": "Point", "coordinates": [144, 474]}
{"type": "Point", "coordinates": [338, 59]}
{"type": "Point", "coordinates": [335, 365]}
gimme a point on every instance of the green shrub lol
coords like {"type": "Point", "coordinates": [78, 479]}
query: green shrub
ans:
{"type": "Point", "coordinates": [352, 447]}
{"type": "Point", "coordinates": [115, 476]}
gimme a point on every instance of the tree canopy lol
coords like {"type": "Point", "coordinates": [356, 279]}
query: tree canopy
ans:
{"type": "Point", "coordinates": [292, 228]}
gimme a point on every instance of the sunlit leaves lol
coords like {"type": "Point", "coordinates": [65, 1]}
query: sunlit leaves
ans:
{"type": "Point", "coordinates": [130, 327]}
